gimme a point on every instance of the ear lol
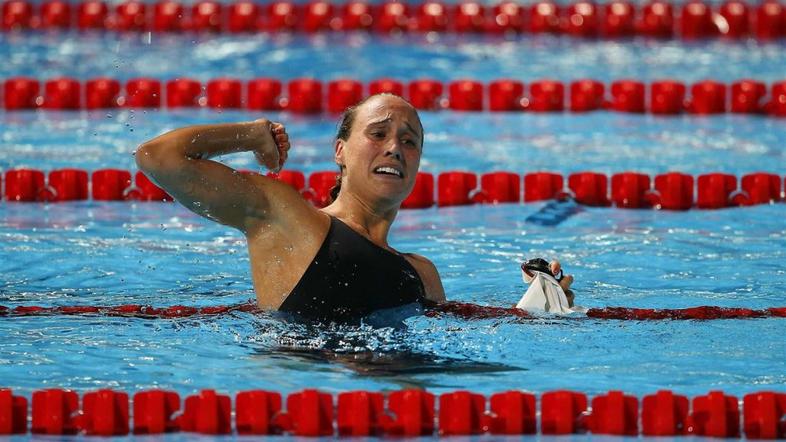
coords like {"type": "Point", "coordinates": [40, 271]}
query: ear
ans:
{"type": "Point", "coordinates": [339, 155]}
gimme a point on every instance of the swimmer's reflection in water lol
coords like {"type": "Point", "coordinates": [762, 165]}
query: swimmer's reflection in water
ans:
{"type": "Point", "coordinates": [314, 262]}
{"type": "Point", "coordinates": [381, 346]}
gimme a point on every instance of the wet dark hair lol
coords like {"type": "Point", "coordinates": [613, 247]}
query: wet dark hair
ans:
{"type": "Point", "coordinates": [345, 128]}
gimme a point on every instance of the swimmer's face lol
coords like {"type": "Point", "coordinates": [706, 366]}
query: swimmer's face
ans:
{"type": "Point", "coordinates": [381, 156]}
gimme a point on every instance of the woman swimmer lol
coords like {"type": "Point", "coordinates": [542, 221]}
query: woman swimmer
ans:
{"type": "Point", "coordinates": [332, 263]}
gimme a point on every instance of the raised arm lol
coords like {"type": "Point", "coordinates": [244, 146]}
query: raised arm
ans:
{"type": "Point", "coordinates": [179, 162]}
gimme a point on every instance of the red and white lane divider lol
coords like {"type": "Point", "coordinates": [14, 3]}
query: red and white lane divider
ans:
{"type": "Point", "coordinates": [408, 413]}
{"type": "Point", "coordinates": [631, 190]}
{"type": "Point", "coordinates": [308, 96]}
{"type": "Point", "coordinates": [459, 309]}
{"type": "Point", "coordinates": [694, 19]}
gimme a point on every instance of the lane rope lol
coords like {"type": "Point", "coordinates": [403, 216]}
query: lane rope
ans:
{"type": "Point", "coordinates": [312, 96]}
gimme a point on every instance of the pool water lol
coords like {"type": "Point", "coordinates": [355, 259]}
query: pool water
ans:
{"type": "Point", "coordinates": [93, 253]}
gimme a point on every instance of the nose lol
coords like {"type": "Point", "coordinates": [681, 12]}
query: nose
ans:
{"type": "Point", "coordinates": [394, 150]}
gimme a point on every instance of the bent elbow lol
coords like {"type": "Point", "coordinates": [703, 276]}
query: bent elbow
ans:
{"type": "Point", "coordinates": [143, 155]}
{"type": "Point", "coordinates": [151, 157]}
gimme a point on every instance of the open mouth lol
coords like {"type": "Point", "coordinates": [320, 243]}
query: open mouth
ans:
{"type": "Point", "coordinates": [387, 170]}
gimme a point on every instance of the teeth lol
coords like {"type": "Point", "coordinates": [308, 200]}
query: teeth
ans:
{"type": "Point", "coordinates": [389, 170]}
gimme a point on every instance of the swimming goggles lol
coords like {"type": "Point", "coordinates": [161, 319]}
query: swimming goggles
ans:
{"type": "Point", "coordinates": [540, 265]}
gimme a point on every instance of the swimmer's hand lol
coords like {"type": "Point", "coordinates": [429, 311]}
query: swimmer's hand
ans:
{"type": "Point", "coordinates": [567, 281]}
{"type": "Point", "coordinates": [273, 146]}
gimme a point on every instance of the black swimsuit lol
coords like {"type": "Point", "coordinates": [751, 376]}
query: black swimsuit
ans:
{"type": "Point", "coordinates": [351, 277]}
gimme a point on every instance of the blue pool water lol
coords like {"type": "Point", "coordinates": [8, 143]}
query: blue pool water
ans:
{"type": "Point", "coordinates": [93, 253]}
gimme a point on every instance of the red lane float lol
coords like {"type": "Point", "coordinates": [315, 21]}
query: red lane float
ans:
{"type": "Point", "coordinates": [356, 15]}
{"type": "Point", "coordinates": [587, 95]}
{"type": "Point", "coordinates": [182, 92]}
{"type": "Point", "coordinates": [506, 95]}
{"type": "Point", "coordinates": [507, 17]}
{"type": "Point", "coordinates": [154, 412]}
{"type": "Point", "coordinates": [168, 16]}
{"type": "Point", "coordinates": [512, 412]}
{"type": "Point", "coordinates": [562, 412]}
{"type": "Point", "coordinates": [544, 17]}
{"type": "Point", "coordinates": [54, 412]}
{"type": "Point", "coordinates": [55, 14]}
{"type": "Point", "coordinates": [224, 93]}
{"type": "Point", "coordinates": [540, 186]}
{"type": "Point", "coordinates": [455, 188]}
{"type": "Point", "coordinates": [657, 20]}
{"type": "Point", "coordinates": [770, 20]}
{"type": "Point", "coordinates": [672, 191]}
{"type": "Point", "coordinates": [736, 18]}
{"type": "Point", "coordinates": [466, 95]}
{"type": "Point", "coordinates": [618, 20]}
{"type": "Point", "coordinates": [546, 96]}
{"type": "Point", "coordinates": [101, 93]}
{"type": "Point", "coordinates": [760, 188]}
{"type": "Point", "coordinates": [413, 413]}
{"type": "Point", "coordinates": [131, 15]}
{"type": "Point", "coordinates": [23, 185]}
{"type": "Point", "coordinates": [62, 94]}
{"type": "Point", "coordinates": [92, 14]}
{"type": "Point", "coordinates": [386, 85]}
{"type": "Point", "coordinates": [430, 16]}
{"type": "Point", "coordinates": [747, 96]}
{"type": "Point", "coordinates": [243, 16]}
{"type": "Point", "coordinates": [392, 16]}
{"type": "Point", "coordinates": [589, 188]}
{"type": "Point", "coordinates": [360, 413]}
{"type": "Point", "coordinates": [343, 94]}
{"type": "Point", "coordinates": [407, 413]}
{"type": "Point", "coordinates": [614, 413]}
{"type": "Point", "coordinates": [629, 190]}
{"type": "Point", "coordinates": [264, 94]}
{"type": "Point", "coordinates": [142, 93]}
{"type": "Point", "coordinates": [763, 415]}
{"type": "Point", "coordinates": [696, 21]}
{"type": "Point", "coordinates": [105, 413]}
{"type": "Point", "coordinates": [319, 186]}
{"type": "Point", "coordinates": [66, 185]}
{"type": "Point", "coordinates": [461, 413]}
{"type": "Point", "coordinates": [110, 184]}
{"type": "Point", "coordinates": [707, 97]}
{"type": "Point", "coordinates": [20, 93]}
{"type": "Point", "coordinates": [17, 15]}
{"type": "Point", "coordinates": [716, 415]}
{"type": "Point", "coordinates": [499, 187]}
{"type": "Point", "coordinates": [469, 16]}
{"type": "Point", "coordinates": [459, 309]}
{"type": "Point", "coordinates": [425, 94]}
{"type": "Point", "coordinates": [579, 18]}
{"type": "Point", "coordinates": [666, 97]}
{"type": "Point", "coordinates": [715, 190]}
{"type": "Point", "coordinates": [13, 413]}
{"type": "Point", "coordinates": [627, 96]}
{"type": "Point", "coordinates": [422, 195]}
{"type": "Point", "coordinates": [206, 16]}
{"type": "Point", "coordinates": [305, 96]}
{"type": "Point", "coordinates": [664, 414]}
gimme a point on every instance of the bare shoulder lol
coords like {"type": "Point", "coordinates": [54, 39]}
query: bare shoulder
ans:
{"type": "Point", "coordinates": [286, 208]}
{"type": "Point", "coordinates": [429, 275]}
